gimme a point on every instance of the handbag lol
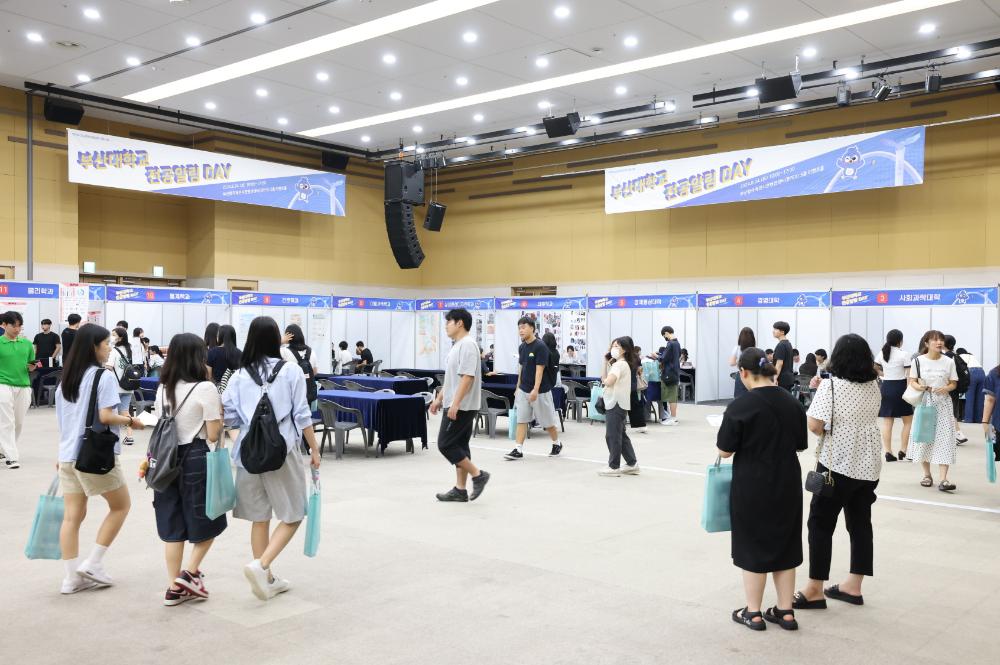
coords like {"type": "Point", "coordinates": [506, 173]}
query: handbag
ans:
{"type": "Point", "coordinates": [819, 482]}
{"type": "Point", "coordinates": [220, 490]}
{"type": "Point", "coordinates": [97, 452]}
{"type": "Point", "coordinates": [313, 511]}
{"type": "Point", "coordinates": [597, 407]}
{"type": "Point", "coordinates": [715, 515]}
{"type": "Point", "coordinates": [911, 395]}
{"type": "Point", "coordinates": [924, 422]}
{"type": "Point", "coordinates": [991, 464]}
{"type": "Point", "coordinates": [43, 539]}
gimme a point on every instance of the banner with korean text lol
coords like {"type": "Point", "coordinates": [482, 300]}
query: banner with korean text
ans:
{"type": "Point", "coordinates": [982, 295]}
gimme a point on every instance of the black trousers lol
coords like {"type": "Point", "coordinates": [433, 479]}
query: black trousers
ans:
{"type": "Point", "coordinates": [637, 410]}
{"type": "Point", "coordinates": [855, 498]}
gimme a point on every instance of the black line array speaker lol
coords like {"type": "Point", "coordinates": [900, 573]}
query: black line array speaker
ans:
{"type": "Point", "coordinates": [63, 111]}
{"type": "Point", "coordinates": [404, 181]}
{"type": "Point", "coordinates": [335, 161]}
{"type": "Point", "coordinates": [777, 89]}
{"type": "Point", "coordinates": [435, 216]}
{"type": "Point", "coordinates": [403, 234]}
{"type": "Point", "coordinates": [564, 125]}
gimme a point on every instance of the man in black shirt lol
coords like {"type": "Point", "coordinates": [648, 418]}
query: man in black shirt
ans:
{"type": "Point", "coordinates": [69, 333]}
{"type": "Point", "coordinates": [783, 355]}
{"type": "Point", "coordinates": [47, 344]}
{"type": "Point", "coordinates": [367, 360]}
{"type": "Point", "coordinates": [533, 396]}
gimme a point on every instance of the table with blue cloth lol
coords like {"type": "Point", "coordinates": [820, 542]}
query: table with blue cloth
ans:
{"type": "Point", "coordinates": [508, 390]}
{"type": "Point", "coordinates": [148, 386]}
{"type": "Point", "coordinates": [419, 373]}
{"type": "Point", "coordinates": [391, 417]}
{"type": "Point", "coordinates": [401, 385]}
{"type": "Point", "coordinates": [505, 378]}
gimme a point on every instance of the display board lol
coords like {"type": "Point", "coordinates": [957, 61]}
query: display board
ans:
{"type": "Point", "coordinates": [34, 301]}
{"type": "Point", "coordinates": [309, 312]}
{"type": "Point", "coordinates": [432, 342]}
{"type": "Point", "coordinates": [566, 318]}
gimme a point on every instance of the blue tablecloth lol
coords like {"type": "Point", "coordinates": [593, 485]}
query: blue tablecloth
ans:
{"type": "Point", "coordinates": [391, 417]}
{"type": "Point", "coordinates": [504, 390]}
{"type": "Point", "coordinates": [402, 386]}
{"type": "Point", "coordinates": [419, 373]}
{"type": "Point", "coordinates": [502, 377]}
{"type": "Point", "coordinates": [148, 386]}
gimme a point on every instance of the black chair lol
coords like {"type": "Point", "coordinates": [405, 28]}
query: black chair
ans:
{"type": "Point", "coordinates": [386, 375]}
{"type": "Point", "coordinates": [48, 385]}
{"type": "Point", "coordinates": [340, 429]}
{"type": "Point", "coordinates": [439, 378]}
{"type": "Point", "coordinates": [491, 413]}
{"type": "Point", "coordinates": [140, 403]}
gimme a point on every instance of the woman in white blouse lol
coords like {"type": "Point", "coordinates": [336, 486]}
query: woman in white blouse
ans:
{"type": "Point", "coordinates": [891, 364]}
{"type": "Point", "coordinates": [619, 372]}
{"type": "Point", "coordinates": [843, 413]}
{"type": "Point", "coordinates": [934, 373]}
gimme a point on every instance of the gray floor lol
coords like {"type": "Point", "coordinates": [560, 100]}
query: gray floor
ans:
{"type": "Point", "coordinates": [552, 565]}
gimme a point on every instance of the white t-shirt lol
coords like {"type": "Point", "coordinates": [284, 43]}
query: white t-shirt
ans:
{"type": "Point", "coordinates": [203, 404]}
{"type": "Point", "coordinates": [463, 360]}
{"type": "Point", "coordinates": [894, 368]}
{"type": "Point", "coordinates": [289, 357]}
{"type": "Point", "coordinates": [971, 360]}
{"type": "Point", "coordinates": [72, 416]}
{"type": "Point", "coordinates": [852, 445]}
{"type": "Point", "coordinates": [619, 394]}
{"type": "Point", "coordinates": [935, 373]}
{"type": "Point", "coordinates": [344, 357]}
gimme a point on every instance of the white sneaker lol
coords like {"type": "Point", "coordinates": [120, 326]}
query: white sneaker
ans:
{"type": "Point", "coordinates": [609, 472]}
{"type": "Point", "coordinates": [671, 421]}
{"type": "Point", "coordinates": [279, 585]}
{"type": "Point", "coordinates": [94, 573]}
{"type": "Point", "coordinates": [75, 584]}
{"type": "Point", "coordinates": [630, 470]}
{"type": "Point", "coordinates": [258, 579]}
{"type": "Point", "coordinates": [641, 430]}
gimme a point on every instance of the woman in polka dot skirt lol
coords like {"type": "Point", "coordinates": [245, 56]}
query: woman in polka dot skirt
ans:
{"type": "Point", "coordinates": [935, 374]}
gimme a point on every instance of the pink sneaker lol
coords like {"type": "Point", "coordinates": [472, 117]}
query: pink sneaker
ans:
{"type": "Point", "coordinates": [193, 583]}
{"type": "Point", "coordinates": [176, 597]}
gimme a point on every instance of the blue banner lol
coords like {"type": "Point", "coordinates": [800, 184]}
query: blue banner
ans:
{"type": "Point", "coordinates": [382, 304]}
{"type": "Point", "coordinates": [30, 290]}
{"type": "Point", "coordinates": [540, 303]}
{"type": "Point", "coordinates": [790, 299]}
{"type": "Point", "coordinates": [280, 300]}
{"type": "Point", "coordinates": [674, 301]}
{"type": "Point", "coordinates": [151, 294]}
{"type": "Point", "coordinates": [446, 304]}
{"type": "Point", "coordinates": [909, 297]}
{"type": "Point", "coordinates": [98, 292]}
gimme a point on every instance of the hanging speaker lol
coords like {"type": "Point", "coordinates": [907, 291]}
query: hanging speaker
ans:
{"type": "Point", "coordinates": [402, 234]}
{"type": "Point", "coordinates": [435, 216]}
{"type": "Point", "coordinates": [62, 111]}
{"type": "Point", "coordinates": [564, 125]}
{"type": "Point", "coordinates": [335, 161]}
{"type": "Point", "coordinates": [777, 89]}
{"type": "Point", "coordinates": [404, 181]}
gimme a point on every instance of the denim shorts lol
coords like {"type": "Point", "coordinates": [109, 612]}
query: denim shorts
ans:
{"type": "Point", "coordinates": [180, 509]}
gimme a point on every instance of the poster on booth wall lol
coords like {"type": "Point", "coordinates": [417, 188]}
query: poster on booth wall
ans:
{"type": "Point", "coordinates": [319, 339]}
{"type": "Point", "coordinates": [74, 299]}
{"type": "Point", "coordinates": [427, 336]}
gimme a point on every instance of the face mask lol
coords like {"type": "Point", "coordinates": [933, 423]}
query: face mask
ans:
{"type": "Point", "coordinates": [616, 353]}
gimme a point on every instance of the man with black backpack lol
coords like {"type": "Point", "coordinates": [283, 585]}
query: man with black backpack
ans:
{"type": "Point", "coordinates": [962, 368]}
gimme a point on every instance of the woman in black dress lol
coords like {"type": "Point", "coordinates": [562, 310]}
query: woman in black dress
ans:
{"type": "Point", "coordinates": [765, 428]}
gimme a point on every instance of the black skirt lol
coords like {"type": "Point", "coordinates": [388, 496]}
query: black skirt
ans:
{"type": "Point", "coordinates": [893, 405]}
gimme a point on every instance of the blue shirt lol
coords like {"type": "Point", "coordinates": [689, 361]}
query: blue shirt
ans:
{"type": "Point", "coordinates": [992, 388]}
{"type": "Point", "coordinates": [72, 416]}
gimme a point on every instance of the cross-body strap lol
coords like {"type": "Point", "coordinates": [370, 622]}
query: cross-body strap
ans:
{"type": "Point", "coordinates": [92, 409]}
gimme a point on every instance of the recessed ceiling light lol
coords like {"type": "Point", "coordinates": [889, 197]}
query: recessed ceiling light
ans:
{"type": "Point", "coordinates": [621, 90]}
{"type": "Point", "coordinates": [417, 129]}
{"type": "Point", "coordinates": [389, 59]}
{"type": "Point", "coordinates": [631, 132]}
{"type": "Point", "coordinates": [34, 37]}
{"type": "Point", "coordinates": [530, 131]}
{"type": "Point", "coordinates": [460, 159]}
{"type": "Point", "coordinates": [133, 61]}
{"type": "Point", "coordinates": [714, 118]}
{"type": "Point", "coordinates": [541, 62]}
{"type": "Point", "coordinates": [595, 119]}
{"type": "Point", "coordinates": [365, 138]}
{"type": "Point", "coordinates": [470, 141]}
{"type": "Point", "coordinates": [753, 92]}
{"type": "Point", "coordinates": [210, 106]}
{"type": "Point", "coordinates": [543, 105]}
{"type": "Point", "coordinates": [741, 15]}
{"type": "Point", "coordinates": [83, 78]}
{"type": "Point", "coordinates": [569, 141]}
{"type": "Point", "coordinates": [631, 41]}
{"type": "Point", "coordinates": [962, 52]}
{"type": "Point", "coordinates": [783, 107]}
{"type": "Point", "coordinates": [478, 117]}
{"type": "Point", "coordinates": [282, 121]}
{"type": "Point", "coordinates": [258, 18]}
{"type": "Point", "coordinates": [848, 73]}
{"type": "Point", "coordinates": [469, 37]}
{"type": "Point", "coordinates": [92, 14]}
{"type": "Point", "coordinates": [333, 109]}
{"type": "Point", "coordinates": [560, 12]}
{"type": "Point", "coordinates": [461, 80]}
{"type": "Point", "coordinates": [809, 52]}
{"type": "Point", "coordinates": [322, 76]}
{"type": "Point", "coordinates": [927, 28]}
{"type": "Point", "coordinates": [191, 40]}
{"type": "Point", "coordinates": [420, 151]}
{"type": "Point", "coordinates": [669, 107]}
{"type": "Point", "coordinates": [261, 92]}
{"type": "Point", "coordinates": [409, 148]}
{"type": "Point", "coordinates": [510, 151]}
{"type": "Point", "coordinates": [395, 95]}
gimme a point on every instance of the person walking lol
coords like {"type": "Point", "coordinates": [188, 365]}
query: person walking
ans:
{"type": "Point", "coordinates": [194, 403]}
{"type": "Point", "coordinates": [119, 360]}
{"type": "Point", "coordinates": [617, 377]}
{"type": "Point", "coordinates": [637, 406]}
{"type": "Point", "coordinates": [746, 340]}
{"type": "Point", "coordinates": [224, 356]}
{"type": "Point", "coordinates": [86, 379]}
{"type": "Point", "coordinates": [934, 374]}
{"type": "Point", "coordinates": [460, 398]}
{"type": "Point", "coordinates": [670, 373]}
{"type": "Point", "coordinates": [892, 364]}
{"type": "Point", "coordinates": [17, 359]}
{"type": "Point", "coordinates": [962, 370]}
{"type": "Point", "coordinates": [533, 396]}
{"type": "Point", "coordinates": [295, 350]}
{"type": "Point", "coordinates": [784, 355]}
{"type": "Point", "coordinates": [844, 414]}
{"type": "Point", "coordinates": [973, 412]}
{"type": "Point", "coordinates": [282, 492]}
{"type": "Point", "coordinates": [68, 334]}
{"type": "Point", "coordinates": [765, 428]}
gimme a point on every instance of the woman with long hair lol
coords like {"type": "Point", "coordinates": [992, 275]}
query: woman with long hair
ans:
{"type": "Point", "coordinates": [282, 492]}
{"type": "Point", "coordinates": [934, 374]}
{"type": "Point", "coordinates": [552, 369]}
{"type": "Point", "coordinates": [618, 377]}
{"type": "Point", "coordinates": [88, 356]}
{"type": "Point", "coordinates": [746, 340]}
{"type": "Point", "coordinates": [194, 403]}
{"type": "Point", "coordinates": [891, 364]}
{"type": "Point", "coordinates": [225, 355]}
{"type": "Point", "coordinates": [156, 360]}
{"type": "Point", "coordinates": [118, 361]}
{"type": "Point", "coordinates": [212, 335]}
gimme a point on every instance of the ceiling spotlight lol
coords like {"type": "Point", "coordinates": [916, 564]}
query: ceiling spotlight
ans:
{"type": "Point", "coordinates": [848, 73]}
{"type": "Point", "coordinates": [881, 90]}
{"type": "Point", "coordinates": [92, 14]}
{"type": "Point", "coordinates": [469, 37]}
{"type": "Point", "coordinates": [83, 78]}
{"type": "Point", "coordinates": [133, 61]}
{"type": "Point", "coordinates": [478, 117]}
{"type": "Point", "coordinates": [510, 151]}
{"type": "Point", "coordinates": [282, 121]}
{"type": "Point", "coordinates": [34, 37]}
{"type": "Point", "coordinates": [210, 106]}
{"type": "Point", "coordinates": [395, 95]}
{"type": "Point", "coordinates": [543, 105]}
{"type": "Point", "coordinates": [334, 109]}
{"type": "Point", "coordinates": [927, 28]}
{"type": "Point", "coordinates": [962, 52]}
{"type": "Point", "coordinates": [668, 107]}
{"type": "Point", "coordinates": [261, 92]}
{"type": "Point", "coordinates": [530, 131]}
{"type": "Point", "coordinates": [561, 12]}
{"type": "Point", "coordinates": [781, 107]}
{"type": "Point", "coordinates": [809, 52]}
{"type": "Point", "coordinates": [621, 90]}
{"type": "Point", "coordinates": [389, 59]}
{"type": "Point", "coordinates": [741, 15]}
{"type": "Point", "coordinates": [461, 80]}
{"type": "Point", "coordinates": [365, 138]}
{"type": "Point", "coordinates": [843, 95]}
{"type": "Point", "coordinates": [541, 61]}
{"type": "Point", "coordinates": [408, 148]}
{"type": "Point", "coordinates": [708, 119]}
{"type": "Point", "coordinates": [631, 41]}
{"type": "Point", "coordinates": [420, 151]}
{"type": "Point", "coordinates": [753, 92]}
{"type": "Point", "coordinates": [417, 129]}
{"type": "Point", "coordinates": [569, 141]}
{"type": "Point", "coordinates": [594, 119]}
{"type": "Point", "coordinates": [322, 76]}
{"type": "Point", "coordinates": [192, 41]}
{"type": "Point", "coordinates": [258, 18]}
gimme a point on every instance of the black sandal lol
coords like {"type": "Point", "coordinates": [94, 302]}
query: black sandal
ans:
{"type": "Point", "coordinates": [775, 615]}
{"type": "Point", "coordinates": [800, 602]}
{"type": "Point", "coordinates": [835, 593]}
{"type": "Point", "coordinates": [747, 619]}
{"type": "Point", "coordinates": [947, 486]}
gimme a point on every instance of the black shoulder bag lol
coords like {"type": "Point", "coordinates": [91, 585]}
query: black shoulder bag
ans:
{"type": "Point", "coordinates": [97, 452]}
{"type": "Point", "coordinates": [821, 484]}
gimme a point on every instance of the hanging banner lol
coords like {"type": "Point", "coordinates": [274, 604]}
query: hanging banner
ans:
{"type": "Point", "coordinates": [675, 301]}
{"type": "Point", "coordinates": [281, 300]}
{"type": "Point", "coordinates": [28, 290]}
{"type": "Point", "coordinates": [910, 297]}
{"type": "Point", "coordinates": [151, 294]}
{"type": "Point", "coordinates": [893, 158]}
{"type": "Point", "coordinates": [792, 299]}
{"type": "Point", "coordinates": [540, 303]}
{"type": "Point", "coordinates": [445, 305]}
{"type": "Point", "coordinates": [113, 161]}
{"type": "Point", "coordinates": [384, 304]}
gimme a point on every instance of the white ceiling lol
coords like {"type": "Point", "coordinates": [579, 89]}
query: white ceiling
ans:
{"type": "Point", "coordinates": [511, 35]}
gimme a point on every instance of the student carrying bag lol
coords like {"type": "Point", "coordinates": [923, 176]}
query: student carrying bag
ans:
{"type": "Point", "coordinates": [97, 452]}
{"type": "Point", "coordinates": [263, 448]}
{"type": "Point", "coordinates": [129, 380]}
{"type": "Point", "coordinates": [307, 369]}
{"type": "Point", "coordinates": [163, 444]}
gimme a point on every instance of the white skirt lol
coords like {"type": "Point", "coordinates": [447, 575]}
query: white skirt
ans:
{"type": "Point", "coordinates": [944, 449]}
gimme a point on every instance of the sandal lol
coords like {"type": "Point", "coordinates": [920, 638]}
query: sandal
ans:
{"type": "Point", "coordinates": [800, 602]}
{"type": "Point", "coordinates": [946, 486]}
{"type": "Point", "coordinates": [835, 593]}
{"type": "Point", "coordinates": [747, 619]}
{"type": "Point", "coordinates": [927, 481]}
{"type": "Point", "coordinates": [775, 615]}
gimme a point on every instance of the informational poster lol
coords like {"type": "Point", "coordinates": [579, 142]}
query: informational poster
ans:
{"type": "Point", "coordinates": [318, 331]}
{"type": "Point", "coordinates": [427, 335]}
{"type": "Point", "coordinates": [74, 299]}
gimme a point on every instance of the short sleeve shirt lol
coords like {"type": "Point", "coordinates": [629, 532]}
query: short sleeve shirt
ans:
{"type": "Point", "coordinates": [203, 404]}
{"type": "Point", "coordinates": [852, 445]}
{"type": "Point", "coordinates": [46, 344]}
{"type": "Point", "coordinates": [72, 416]}
{"type": "Point", "coordinates": [531, 356]}
{"type": "Point", "coordinates": [463, 360]}
{"type": "Point", "coordinates": [894, 369]}
{"type": "Point", "coordinates": [14, 358]}
{"type": "Point", "coordinates": [935, 373]}
{"type": "Point", "coordinates": [992, 388]}
{"type": "Point", "coordinates": [783, 352]}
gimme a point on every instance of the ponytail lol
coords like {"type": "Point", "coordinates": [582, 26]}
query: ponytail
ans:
{"type": "Point", "coordinates": [755, 361]}
{"type": "Point", "coordinates": [892, 338]}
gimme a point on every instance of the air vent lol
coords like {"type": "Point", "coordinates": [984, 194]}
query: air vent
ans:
{"type": "Point", "coordinates": [68, 44]}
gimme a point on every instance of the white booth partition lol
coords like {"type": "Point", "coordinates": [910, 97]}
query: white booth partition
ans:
{"type": "Point", "coordinates": [431, 341]}
{"type": "Point", "coordinates": [641, 318]}
{"type": "Point", "coordinates": [34, 301]}
{"type": "Point", "coordinates": [163, 313]}
{"type": "Point", "coordinates": [970, 314]}
{"type": "Point", "coordinates": [310, 312]}
{"type": "Point", "coordinates": [566, 318]}
{"type": "Point", "coordinates": [385, 325]}
{"type": "Point", "coordinates": [721, 316]}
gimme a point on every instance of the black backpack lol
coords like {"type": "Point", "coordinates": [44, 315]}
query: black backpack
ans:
{"type": "Point", "coordinates": [263, 448]}
{"type": "Point", "coordinates": [129, 379]}
{"type": "Point", "coordinates": [962, 369]}
{"type": "Point", "coordinates": [307, 369]}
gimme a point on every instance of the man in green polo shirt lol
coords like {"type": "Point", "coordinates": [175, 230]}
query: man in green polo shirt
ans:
{"type": "Point", "coordinates": [17, 358]}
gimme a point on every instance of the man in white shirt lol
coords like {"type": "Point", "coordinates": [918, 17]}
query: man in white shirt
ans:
{"type": "Point", "coordinates": [460, 395]}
